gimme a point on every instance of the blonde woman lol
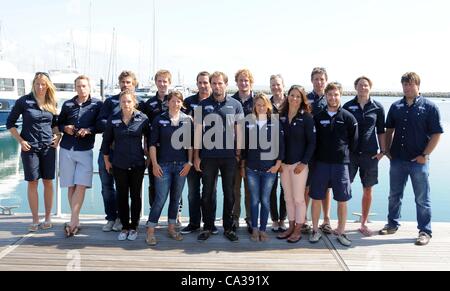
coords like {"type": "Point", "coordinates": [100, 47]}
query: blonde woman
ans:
{"type": "Point", "coordinates": [39, 139]}
{"type": "Point", "coordinates": [126, 129]}
{"type": "Point", "coordinates": [260, 163]}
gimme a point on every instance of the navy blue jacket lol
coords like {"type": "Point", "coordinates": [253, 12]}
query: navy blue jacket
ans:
{"type": "Point", "coordinates": [299, 138]}
{"type": "Point", "coordinates": [371, 122]}
{"type": "Point", "coordinates": [413, 126]}
{"type": "Point", "coordinates": [254, 150]}
{"type": "Point", "coordinates": [127, 140]}
{"type": "Point", "coordinates": [84, 116]}
{"type": "Point", "coordinates": [318, 103]}
{"type": "Point", "coordinates": [337, 136]}
{"type": "Point", "coordinates": [110, 107]}
{"type": "Point", "coordinates": [154, 107]}
{"type": "Point", "coordinates": [247, 106]}
{"type": "Point", "coordinates": [161, 138]}
{"type": "Point", "coordinates": [37, 127]}
{"type": "Point", "coordinates": [228, 113]}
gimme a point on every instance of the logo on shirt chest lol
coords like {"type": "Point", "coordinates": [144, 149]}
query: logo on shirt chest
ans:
{"type": "Point", "coordinates": [325, 123]}
{"type": "Point", "coordinates": [116, 122]}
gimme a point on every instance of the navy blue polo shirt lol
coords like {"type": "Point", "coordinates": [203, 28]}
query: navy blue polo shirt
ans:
{"type": "Point", "coordinates": [127, 140]}
{"type": "Point", "coordinates": [414, 125]}
{"type": "Point", "coordinates": [247, 106]}
{"type": "Point", "coordinates": [337, 136]}
{"type": "Point", "coordinates": [161, 138]}
{"type": "Point", "coordinates": [190, 104]}
{"type": "Point", "coordinates": [154, 107]}
{"type": "Point", "coordinates": [371, 122]}
{"type": "Point", "coordinates": [110, 107]}
{"type": "Point", "coordinates": [255, 148]}
{"type": "Point", "coordinates": [300, 138]}
{"type": "Point", "coordinates": [228, 113]}
{"type": "Point", "coordinates": [80, 116]}
{"type": "Point", "coordinates": [37, 127]}
{"type": "Point", "coordinates": [318, 103]}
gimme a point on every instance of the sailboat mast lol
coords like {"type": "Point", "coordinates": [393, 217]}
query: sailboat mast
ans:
{"type": "Point", "coordinates": [154, 41]}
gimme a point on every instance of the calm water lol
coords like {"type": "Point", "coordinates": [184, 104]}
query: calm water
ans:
{"type": "Point", "coordinates": [13, 189]}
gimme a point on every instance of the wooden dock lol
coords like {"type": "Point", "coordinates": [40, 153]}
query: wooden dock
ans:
{"type": "Point", "coordinates": [96, 250]}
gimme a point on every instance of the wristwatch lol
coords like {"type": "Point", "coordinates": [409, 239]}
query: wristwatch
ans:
{"type": "Point", "coordinates": [190, 164]}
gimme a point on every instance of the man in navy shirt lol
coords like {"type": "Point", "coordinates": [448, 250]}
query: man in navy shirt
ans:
{"type": "Point", "coordinates": [371, 120]}
{"type": "Point", "coordinates": [153, 108]}
{"type": "Point", "coordinates": [217, 134]}
{"type": "Point", "coordinates": [78, 122]}
{"type": "Point", "coordinates": [337, 137]}
{"type": "Point", "coordinates": [194, 177]}
{"type": "Point", "coordinates": [413, 132]}
{"type": "Point", "coordinates": [127, 81]}
{"type": "Point", "coordinates": [244, 81]}
{"type": "Point", "coordinates": [318, 101]}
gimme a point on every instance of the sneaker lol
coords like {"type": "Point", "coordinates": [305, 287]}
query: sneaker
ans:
{"type": "Point", "coordinates": [214, 230]}
{"type": "Point", "coordinates": [132, 235]}
{"type": "Point", "coordinates": [275, 226]}
{"type": "Point", "coordinates": [231, 235]}
{"type": "Point", "coordinates": [189, 229]}
{"type": "Point", "coordinates": [423, 239]}
{"type": "Point", "coordinates": [282, 226]}
{"type": "Point", "coordinates": [204, 235]}
{"type": "Point", "coordinates": [344, 240]}
{"type": "Point", "coordinates": [123, 235]}
{"type": "Point", "coordinates": [315, 237]}
{"type": "Point", "coordinates": [108, 226]}
{"type": "Point", "coordinates": [387, 229]}
{"type": "Point", "coordinates": [117, 225]}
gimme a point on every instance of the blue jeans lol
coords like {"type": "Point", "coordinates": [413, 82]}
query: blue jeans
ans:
{"type": "Point", "coordinates": [108, 190]}
{"type": "Point", "coordinates": [260, 186]}
{"type": "Point", "coordinates": [400, 170]}
{"type": "Point", "coordinates": [172, 182]}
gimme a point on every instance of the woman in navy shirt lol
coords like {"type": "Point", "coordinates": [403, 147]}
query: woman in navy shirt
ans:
{"type": "Point", "coordinates": [39, 138]}
{"type": "Point", "coordinates": [261, 163]}
{"type": "Point", "coordinates": [125, 130]}
{"type": "Point", "coordinates": [171, 153]}
{"type": "Point", "coordinates": [300, 141]}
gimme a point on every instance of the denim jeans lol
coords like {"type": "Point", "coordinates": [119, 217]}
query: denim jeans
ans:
{"type": "Point", "coordinates": [171, 182]}
{"type": "Point", "coordinates": [399, 173]}
{"type": "Point", "coordinates": [108, 190]}
{"type": "Point", "coordinates": [260, 185]}
{"type": "Point", "coordinates": [210, 171]}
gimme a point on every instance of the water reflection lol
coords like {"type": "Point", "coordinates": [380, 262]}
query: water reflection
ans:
{"type": "Point", "coordinates": [11, 173]}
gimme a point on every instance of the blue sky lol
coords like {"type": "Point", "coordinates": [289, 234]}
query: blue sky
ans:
{"type": "Point", "coordinates": [381, 39]}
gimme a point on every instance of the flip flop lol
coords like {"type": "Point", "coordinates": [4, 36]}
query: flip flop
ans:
{"type": "Point", "coordinates": [365, 231]}
{"type": "Point", "coordinates": [67, 231]}
{"type": "Point", "coordinates": [326, 228]}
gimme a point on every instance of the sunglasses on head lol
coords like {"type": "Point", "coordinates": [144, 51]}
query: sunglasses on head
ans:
{"type": "Point", "coordinates": [42, 73]}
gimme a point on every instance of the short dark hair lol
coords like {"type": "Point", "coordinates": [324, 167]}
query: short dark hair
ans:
{"type": "Point", "coordinates": [411, 77]}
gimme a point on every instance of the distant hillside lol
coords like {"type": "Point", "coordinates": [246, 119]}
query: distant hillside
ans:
{"type": "Point", "coordinates": [381, 94]}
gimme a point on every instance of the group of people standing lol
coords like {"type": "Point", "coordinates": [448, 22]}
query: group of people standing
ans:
{"type": "Point", "coordinates": [312, 141]}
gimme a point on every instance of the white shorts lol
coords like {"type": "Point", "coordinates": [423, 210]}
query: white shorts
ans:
{"type": "Point", "coordinates": [76, 168]}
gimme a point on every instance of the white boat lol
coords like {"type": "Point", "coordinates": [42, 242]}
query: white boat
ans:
{"type": "Point", "coordinates": [13, 85]}
{"type": "Point", "coordinates": [64, 81]}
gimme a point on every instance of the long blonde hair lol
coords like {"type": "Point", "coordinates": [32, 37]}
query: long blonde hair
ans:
{"type": "Point", "coordinates": [50, 96]}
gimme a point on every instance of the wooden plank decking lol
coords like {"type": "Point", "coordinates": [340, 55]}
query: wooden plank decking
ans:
{"type": "Point", "coordinates": [95, 250]}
